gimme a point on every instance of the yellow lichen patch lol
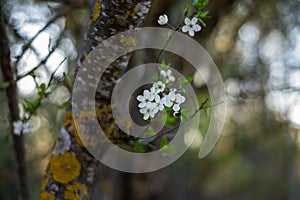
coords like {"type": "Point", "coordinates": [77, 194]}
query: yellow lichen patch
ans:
{"type": "Point", "coordinates": [45, 181]}
{"type": "Point", "coordinates": [76, 191]}
{"type": "Point", "coordinates": [65, 167]}
{"type": "Point", "coordinates": [76, 134]}
{"type": "Point", "coordinates": [46, 196]}
{"type": "Point", "coordinates": [132, 12]}
{"type": "Point", "coordinates": [129, 42]}
{"type": "Point", "coordinates": [68, 119]}
{"type": "Point", "coordinates": [96, 12]}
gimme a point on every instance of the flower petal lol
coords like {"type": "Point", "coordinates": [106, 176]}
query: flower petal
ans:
{"type": "Point", "coordinates": [185, 28]}
{"type": "Point", "coordinates": [194, 20]}
{"type": "Point", "coordinates": [196, 28]}
{"type": "Point", "coordinates": [191, 32]}
{"type": "Point", "coordinates": [172, 78]}
{"type": "Point", "coordinates": [163, 73]}
{"type": "Point", "coordinates": [176, 107]}
{"type": "Point", "coordinates": [142, 105]}
{"type": "Point", "coordinates": [168, 103]}
{"type": "Point", "coordinates": [146, 116]}
{"type": "Point", "coordinates": [140, 98]}
{"type": "Point", "coordinates": [187, 21]}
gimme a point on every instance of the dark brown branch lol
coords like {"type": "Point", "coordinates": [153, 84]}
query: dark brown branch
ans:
{"type": "Point", "coordinates": [11, 93]}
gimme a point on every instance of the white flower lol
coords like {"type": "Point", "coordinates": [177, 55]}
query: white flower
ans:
{"type": "Point", "coordinates": [174, 100]}
{"type": "Point", "coordinates": [159, 87]}
{"type": "Point", "coordinates": [168, 75]}
{"type": "Point", "coordinates": [145, 99]}
{"type": "Point", "coordinates": [17, 127]}
{"type": "Point", "coordinates": [173, 90]}
{"type": "Point", "coordinates": [27, 127]}
{"type": "Point", "coordinates": [148, 112]}
{"type": "Point", "coordinates": [191, 26]}
{"type": "Point", "coordinates": [163, 19]}
{"type": "Point", "coordinates": [159, 104]}
{"type": "Point", "coordinates": [63, 143]}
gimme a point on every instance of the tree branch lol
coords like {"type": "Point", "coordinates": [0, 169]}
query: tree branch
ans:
{"type": "Point", "coordinates": [11, 94]}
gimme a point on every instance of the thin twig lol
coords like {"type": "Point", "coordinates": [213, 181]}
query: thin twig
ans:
{"type": "Point", "coordinates": [52, 75]}
{"type": "Point", "coordinates": [11, 94]}
{"type": "Point", "coordinates": [42, 62]}
{"type": "Point", "coordinates": [28, 45]}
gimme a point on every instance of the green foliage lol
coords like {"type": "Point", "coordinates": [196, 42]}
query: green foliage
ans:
{"type": "Point", "coordinates": [138, 148]}
{"type": "Point", "coordinates": [199, 5]}
{"type": "Point", "coordinates": [165, 148]}
{"type": "Point", "coordinates": [150, 131]}
{"type": "Point", "coordinates": [186, 10]}
{"type": "Point", "coordinates": [184, 114]}
{"type": "Point", "coordinates": [186, 81]}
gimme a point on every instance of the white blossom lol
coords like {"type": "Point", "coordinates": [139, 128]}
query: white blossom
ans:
{"type": "Point", "coordinates": [27, 127]}
{"type": "Point", "coordinates": [148, 112]}
{"type": "Point", "coordinates": [17, 127]}
{"type": "Point", "coordinates": [163, 19]}
{"type": "Point", "coordinates": [191, 26]}
{"type": "Point", "coordinates": [145, 99]}
{"type": "Point", "coordinates": [159, 87]}
{"type": "Point", "coordinates": [168, 75]}
{"type": "Point", "coordinates": [174, 100]}
{"type": "Point", "coordinates": [159, 104]}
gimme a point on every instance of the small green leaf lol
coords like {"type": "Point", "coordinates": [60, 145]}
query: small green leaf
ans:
{"type": "Point", "coordinates": [155, 77]}
{"type": "Point", "coordinates": [138, 147]}
{"type": "Point", "coordinates": [188, 80]}
{"type": "Point", "coordinates": [184, 115]}
{"type": "Point", "coordinates": [164, 142]}
{"type": "Point", "coordinates": [150, 131]}
{"type": "Point", "coordinates": [186, 10]}
{"type": "Point", "coordinates": [202, 22]}
{"type": "Point", "coordinates": [204, 14]}
{"type": "Point", "coordinates": [193, 2]}
{"type": "Point", "coordinates": [43, 86]}
{"type": "Point", "coordinates": [169, 35]}
{"type": "Point", "coordinates": [200, 4]}
{"type": "Point", "coordinates": [170, 120]}
{"type": "Point", "coordinates": [165, 148]}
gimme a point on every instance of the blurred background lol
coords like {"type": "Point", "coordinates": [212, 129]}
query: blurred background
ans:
{"type": "Point", "coordinates": [256, 47]}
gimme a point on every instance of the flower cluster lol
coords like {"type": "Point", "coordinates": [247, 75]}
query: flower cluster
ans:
{"type": "Point", "coordinates": [191, 25]}
{"type": "Point", "coordinates": [160, 96]}
{"type": "Point", "coordinates": [19, 127]}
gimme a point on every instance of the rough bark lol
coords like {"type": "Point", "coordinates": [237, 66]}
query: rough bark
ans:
{"type": "Point", "coordinates": [71, 170]}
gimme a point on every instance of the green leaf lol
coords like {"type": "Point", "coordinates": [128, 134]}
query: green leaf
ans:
{"type": "Point", "coordinates": [186, 81]}
{"type": "Point", "coordinates": [186, 10]}
{"type": "Point", "coordinates": [200, 4]}
{"type": "Point", "coordinates": [31, 106]}
{"type": "Point", "coordinates": [138, 147]}
{"type": "Point", "coordinates": [170, 120]}
{"type": "Point", "coordinates": [150, 131]}
{"type": "Point", "coordinates": [164, 142]}
{"type": "Point", "coordinates": [155, 77]}
{"type": "Point", "coordinates": [194, 2]}
{"type": "Point", "coordinates": [202, 22]}
{"type": "Point", "coordinates": [165, 148]}
{"type": "Point", "coordinates": [202, 14]}
{"type": "Point", "coordinates": [185, 114]}
{"type": "Point", "coordinates": [169, 35]}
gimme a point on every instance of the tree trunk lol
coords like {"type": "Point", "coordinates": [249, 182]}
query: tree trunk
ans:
{"type": "Point", "coordinates": [71, 170]}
